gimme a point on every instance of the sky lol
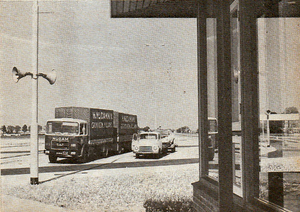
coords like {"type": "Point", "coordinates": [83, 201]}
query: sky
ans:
{"type": "Point", "coordinates": [146, 67]}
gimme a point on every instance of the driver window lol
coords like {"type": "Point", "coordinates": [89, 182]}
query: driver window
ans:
{"type": "Point", "coordinates": [82, 129]}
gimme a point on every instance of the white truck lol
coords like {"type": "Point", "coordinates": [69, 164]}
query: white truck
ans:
{"type": "Point", "coordinates": [152, 143]}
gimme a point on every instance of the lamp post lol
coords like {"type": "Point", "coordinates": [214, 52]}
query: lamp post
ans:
{"type": "Point", "coordinates": [17, 75]}
{"type": "Point", "coordinates": [34, 136]}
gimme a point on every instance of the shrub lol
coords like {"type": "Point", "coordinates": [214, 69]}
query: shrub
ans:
{"type": "Point", "coordinates": [180, 205]}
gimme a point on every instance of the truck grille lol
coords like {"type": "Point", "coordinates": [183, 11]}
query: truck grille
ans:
{"type": "Point", "coordinates": [59, 145]}
{"type": "Point", "coordinates": [145, 148]}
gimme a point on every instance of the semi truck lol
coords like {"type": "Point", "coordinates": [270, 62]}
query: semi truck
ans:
{"type": "Point", "coordinates": [85, 133]}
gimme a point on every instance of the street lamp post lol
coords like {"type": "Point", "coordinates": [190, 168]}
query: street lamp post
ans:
{"type": "Point", "coordinates": [17, 75]}
{"type": "Point", "coordinates": [34, 145]}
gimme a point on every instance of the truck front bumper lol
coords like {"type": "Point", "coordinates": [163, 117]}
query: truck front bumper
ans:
{"type": "Point", "coordinates": [147, 150]}
{"type": "Point", "coordinates": [62, 153]}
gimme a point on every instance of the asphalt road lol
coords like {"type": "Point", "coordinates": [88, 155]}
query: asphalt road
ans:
{"type": "Point", "coordinates": [15, 159]}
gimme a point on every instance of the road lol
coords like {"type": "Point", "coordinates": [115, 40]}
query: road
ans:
{"type": "Point", "coordinates": [15, 158]}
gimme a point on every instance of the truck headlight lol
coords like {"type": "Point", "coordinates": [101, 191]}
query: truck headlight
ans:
{"type": "Point", "coordinates": [73, 145]}
{"type": "Point", "coordinates": [136, 148]}
{"type": "Point", "coordinates": [155, 148]}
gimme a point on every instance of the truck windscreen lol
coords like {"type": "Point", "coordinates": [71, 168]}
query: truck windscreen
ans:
{"type": "Point", "coordinates": [148, 136]}
{"type": "Point", "coordinates": [63, 127]}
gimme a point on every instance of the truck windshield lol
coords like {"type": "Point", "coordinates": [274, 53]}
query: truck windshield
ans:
{"type": "Point", "coordinates": [63, 127]}
{"type": "Point", "coordinates": [148, 136]}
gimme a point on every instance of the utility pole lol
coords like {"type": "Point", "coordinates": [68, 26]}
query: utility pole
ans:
{"type": "Point", "coordinates": [34, 136]}
{"type": "Point", "coordinates": [17, 75]}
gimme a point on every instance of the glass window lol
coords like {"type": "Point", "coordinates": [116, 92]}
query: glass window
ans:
{"type": "Point", "coordinates": [63, 127]}
{"type": "Point", "coordinates": [148, 136]}
{"type": "Point", "coordinates": [212, 98]}
{"type": "Point", "coordinates": [279, 74]}
{"type": "Point", "coordinates": [236, 101]}
{"type": "Point", "coordinates": [82, 129]}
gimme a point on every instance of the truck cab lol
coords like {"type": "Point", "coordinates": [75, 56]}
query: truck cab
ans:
{"type": "Point", "coordinates": [147, 143]}
{"type": "Point", "coordinates": [66, 138]}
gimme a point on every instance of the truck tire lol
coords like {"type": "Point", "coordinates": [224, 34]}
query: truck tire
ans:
{"type": "Point", "coordinates": [85, 155]}
{"type": "Point", "coordinates": [91, 153]}
{"type": "Point", "coordinates": [105, 152]}
{"type": "Point", "coordinates": [158, 155]}
{"type": "Point", "coordinates": [173, 149]}
{"type": "Point", "coordinates": [52, 158]}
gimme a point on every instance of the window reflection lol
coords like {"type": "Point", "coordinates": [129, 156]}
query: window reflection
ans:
{"type": "Point", "coordinates": [279, 74]}
{"type": "Point", "coordinates": [212, 98]}
{"type": "Point", "coordinates": [236, 101]}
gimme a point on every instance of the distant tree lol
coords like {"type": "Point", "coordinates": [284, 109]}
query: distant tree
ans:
{"type": "Point", "coordinates": [3, 129]}
{"type": "Point", "coordinates": [24, 128]}
{"type": "Point", "coordinates": [184, 129]}
{"type": "Point", "coordinates": [290, 110]}
{"type": "Point", "coordinates": [17, 129]}
{"type": "Point", "coordinates": [10, 129]}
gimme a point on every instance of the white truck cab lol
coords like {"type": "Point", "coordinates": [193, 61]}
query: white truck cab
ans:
{"type": "Point", "coordinates": [147, 143]}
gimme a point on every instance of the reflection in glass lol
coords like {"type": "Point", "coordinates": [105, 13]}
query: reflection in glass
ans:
{"type": "Point", "coordinates": [236, 100]}
{"type": "Point", "coordinates": [212, 97]}
{"type": "Point", "coordinates": [279, 74]}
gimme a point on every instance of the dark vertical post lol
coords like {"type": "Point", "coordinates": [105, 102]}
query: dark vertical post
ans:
{"type": "Point", "coordinates": [249, 98]}
{"type": "Point", "coordinates": [202, 86]}
{"type": "Point", "coordinates": [275, 181]}
{"type": "Point", "coordinates": [224, 106]}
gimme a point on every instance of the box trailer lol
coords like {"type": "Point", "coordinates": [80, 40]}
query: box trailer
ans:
{"type": "Point", "coordinates": [85, 133]}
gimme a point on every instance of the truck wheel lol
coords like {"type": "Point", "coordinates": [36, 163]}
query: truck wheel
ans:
{"type": "Point", "coordinates": [91, 154]}
{"type": "Point", "coordinates": [173, 149]}
{"type": "Point", "coordinates": [158, 155]}
{"type": "Point", "coordinates": [105, 152]}
{"type": "Point", "coordinates": [52, 158]}
{"type": "Point", "coordinates": [85, 155]}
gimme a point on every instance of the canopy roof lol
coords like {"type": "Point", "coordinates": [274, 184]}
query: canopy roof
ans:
{"type": "Point", "coordinates": [153, 8]}
{"type": "Point", "coordinates": [188, 8]}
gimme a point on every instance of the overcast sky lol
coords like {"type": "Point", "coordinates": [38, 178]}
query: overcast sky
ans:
{"type": "Point", "coordinates": [146, 67]}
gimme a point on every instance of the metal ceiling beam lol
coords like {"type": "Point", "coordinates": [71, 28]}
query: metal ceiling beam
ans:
{"type": "Point", "coordinates": [153, 8]}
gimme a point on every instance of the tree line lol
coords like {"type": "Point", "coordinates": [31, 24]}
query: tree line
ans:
{"type": "Point", "coordinates": [17, 129]}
